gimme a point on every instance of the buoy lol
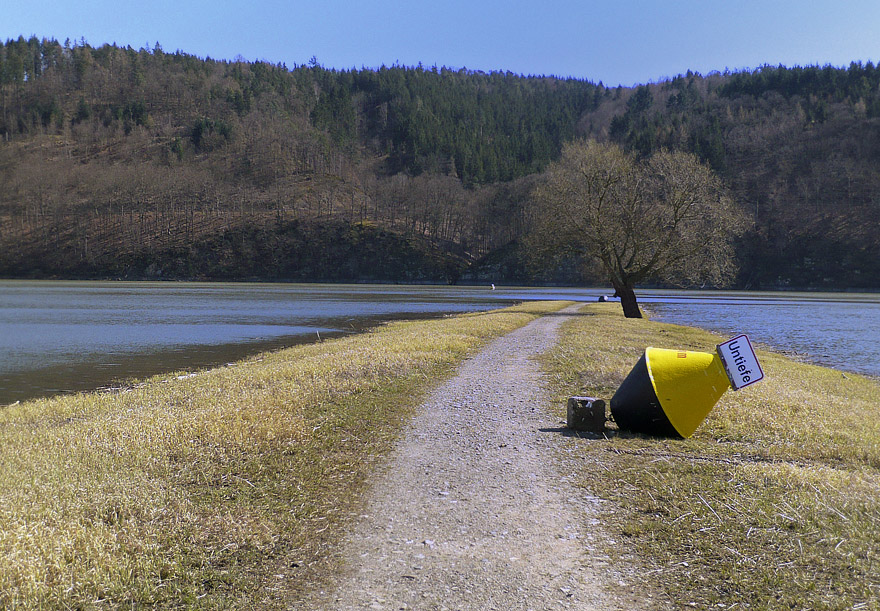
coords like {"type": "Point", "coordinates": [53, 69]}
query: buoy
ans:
{"type": "Point", "coordinates": [669, 392]}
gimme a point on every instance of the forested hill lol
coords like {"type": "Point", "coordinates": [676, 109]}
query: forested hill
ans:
{"type": "Point", "coordinates": [118, 162]}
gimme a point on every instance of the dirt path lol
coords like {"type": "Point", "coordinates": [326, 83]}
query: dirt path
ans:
{"type": "Point", "coordinates": [472, 512]}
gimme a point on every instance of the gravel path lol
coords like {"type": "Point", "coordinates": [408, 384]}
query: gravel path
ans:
{"type": "Point", "coordinates": [472, 512]}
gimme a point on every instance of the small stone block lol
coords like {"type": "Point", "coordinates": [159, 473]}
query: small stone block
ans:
{"type": "Point", "coordinates": [586, 414]}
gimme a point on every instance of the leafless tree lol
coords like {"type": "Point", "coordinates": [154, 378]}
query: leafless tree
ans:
{"type": "Point", "coordinates": [665, 218]}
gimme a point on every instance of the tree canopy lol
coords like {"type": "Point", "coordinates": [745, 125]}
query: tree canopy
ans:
{"type": "Point", "coordinates": [665, 218]}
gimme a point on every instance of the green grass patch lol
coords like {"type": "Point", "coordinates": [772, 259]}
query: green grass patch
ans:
{"type": "Point", "coordinates": [774, 503]}
{"type": "Point", "coordinates": [221, 489]}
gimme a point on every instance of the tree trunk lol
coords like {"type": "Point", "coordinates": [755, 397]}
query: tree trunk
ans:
{"type": "Point", "coordinates": [628, 301]}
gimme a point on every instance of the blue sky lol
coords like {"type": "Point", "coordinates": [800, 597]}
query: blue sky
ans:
{"type": "Point", "coordinates": [614, 41]}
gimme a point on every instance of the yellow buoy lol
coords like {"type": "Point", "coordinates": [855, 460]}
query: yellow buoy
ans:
{"type": "Point", "coordinates": [669, 392]}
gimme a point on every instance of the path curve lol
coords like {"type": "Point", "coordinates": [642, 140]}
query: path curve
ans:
{"type": "Point", "coordinates": [471, 511]}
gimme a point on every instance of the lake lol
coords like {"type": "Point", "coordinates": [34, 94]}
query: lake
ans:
{"type": "Point", "coordinates": [840, 330]}
{"type": "Point", "coordinates": [60, 337]}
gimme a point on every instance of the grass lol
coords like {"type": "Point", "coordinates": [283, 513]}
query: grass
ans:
{"type": "Point", "coordinates": [216, 489]}
{"type": "Point", "coordinates": [774, 503]}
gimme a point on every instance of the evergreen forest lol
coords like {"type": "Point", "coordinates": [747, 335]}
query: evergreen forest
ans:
{"type": "Point", "coordinates": [140, 163]}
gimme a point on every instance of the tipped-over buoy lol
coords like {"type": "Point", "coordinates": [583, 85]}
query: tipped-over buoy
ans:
{"type": "Point", "coordinates": [670, 392]}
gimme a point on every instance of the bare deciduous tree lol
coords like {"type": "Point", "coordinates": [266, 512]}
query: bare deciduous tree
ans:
{"type": "Point", "coordinates": [665, 218]}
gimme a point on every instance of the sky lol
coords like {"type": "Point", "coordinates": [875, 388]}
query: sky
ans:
{"type": "Point", "coordinates": [617, 42]}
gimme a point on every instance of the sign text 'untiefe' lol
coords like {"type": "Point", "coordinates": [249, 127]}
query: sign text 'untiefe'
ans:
{"type": "Point", "coordinates": [740, 362]}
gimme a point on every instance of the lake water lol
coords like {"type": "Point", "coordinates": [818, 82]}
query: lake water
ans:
{"type": "Point", "coordinates": [67, 336]}
{"type": "Point", "coordinates": [840, 330]}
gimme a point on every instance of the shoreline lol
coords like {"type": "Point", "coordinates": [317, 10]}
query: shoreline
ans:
{"type": "Point", "coordinates": [77, 375]}
{"type": "Point", "coordinates": [464, 283]}
{"type": "Point", "coordinates": [202, 489]}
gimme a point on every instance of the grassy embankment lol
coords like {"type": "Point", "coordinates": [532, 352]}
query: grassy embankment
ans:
{"type": "Point", "coordinates": [774, 503]}
{"type": "Point", "coordinates": [221, 489]}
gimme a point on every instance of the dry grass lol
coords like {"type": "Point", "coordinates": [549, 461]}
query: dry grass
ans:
{"type": "Point", "coordinates": [775, 501]}
{"type": "Point", "coordinates": [225, 488]}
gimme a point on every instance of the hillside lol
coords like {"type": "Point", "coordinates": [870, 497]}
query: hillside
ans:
{"type": "Point", "coordinates": [111, 155]}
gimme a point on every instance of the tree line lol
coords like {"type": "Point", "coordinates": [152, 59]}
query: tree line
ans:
{"type": "Point", "coordinates": [111, 147]}
{"type": "Point", "coordinates": [799, 149]}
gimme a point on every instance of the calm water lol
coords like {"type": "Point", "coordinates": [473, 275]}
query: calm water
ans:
{"type": "Point", "coordinates": [67, 336]}
{"type": "Point", "coordinates": [840, 330]}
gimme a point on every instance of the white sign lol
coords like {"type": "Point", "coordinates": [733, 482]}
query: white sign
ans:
{"type": "Point", "coordinates": [740, 362]}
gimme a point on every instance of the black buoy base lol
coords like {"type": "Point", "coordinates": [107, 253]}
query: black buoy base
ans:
{"type": "Point", "coordinates": [635, 406]}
